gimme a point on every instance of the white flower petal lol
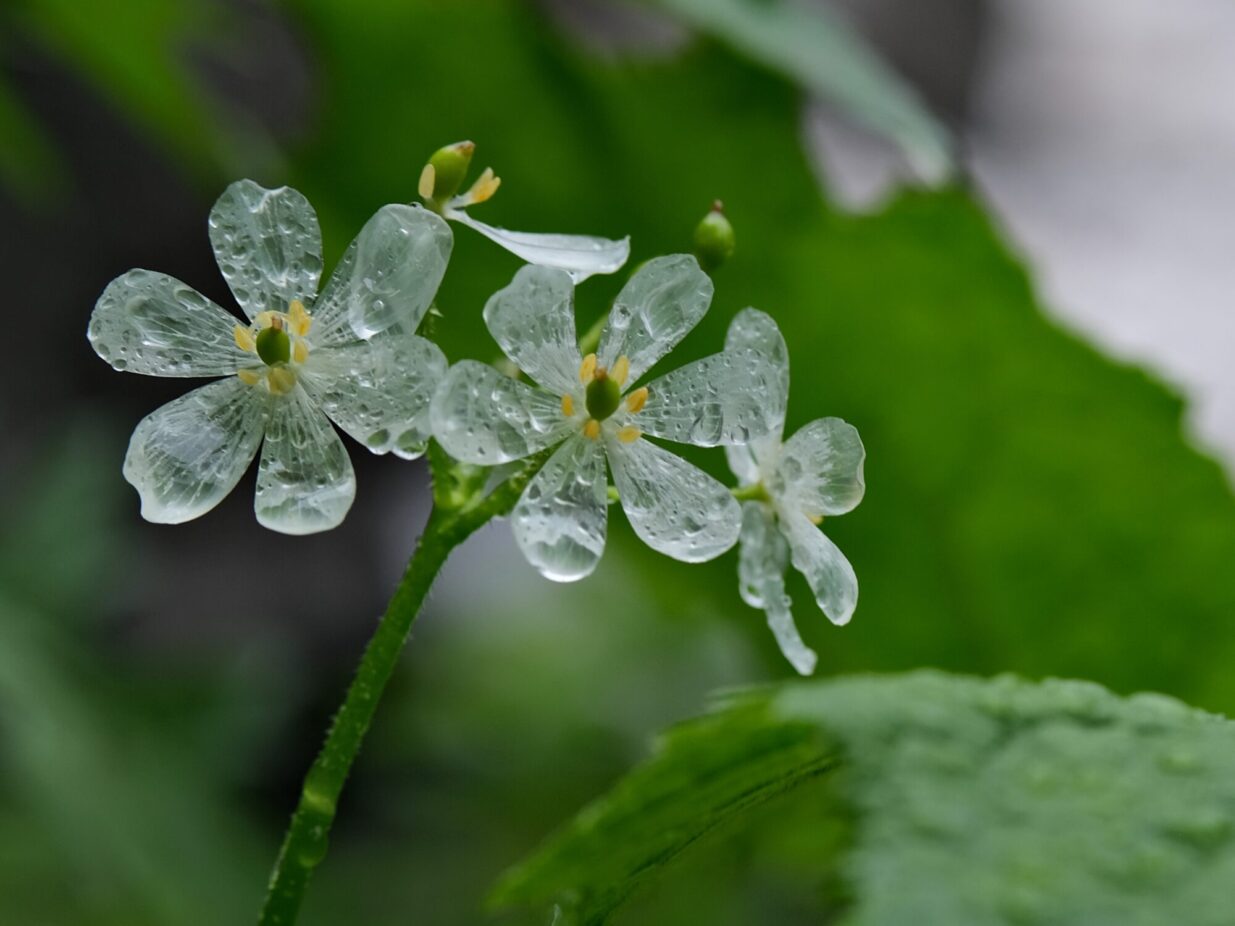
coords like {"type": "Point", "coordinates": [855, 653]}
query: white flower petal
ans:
{"type": "Point", "coordinates": [663, 301]}
{"type": "Point", "coordinates": [757, 330]}
{"type": "Point", "coordinates": [147, 322]}
{"type": "Point", "coordinates": [482, 416]}
{"type": "Point", "coordinates": [305, 482]}
{"type": "Point", "coordinates": [819, 471]}
{"type": "Point", "coordinates": [185, 457]}
{"type": "Point", "coordinates": [581, 256]}
{"type": "Point", "coordinates": [268, 245]}
{"type": "Point", "coordinates": [674, 507]}
{"type": "Point", "coordinates": [763, 557]}
{"type": "Point", "coordinates": [533, 320]}
{"type": "Point", "coordinates": [379, 390]}
{"type": "Point", "coordinates": [827, 571]}
{"type": "Point", "coordinates": [388, 276]}
{"type": "Point", "coordinates": [721, 399]}
{"type": "Point", "coordinates": [742, 462]}
{"type": "Point", "coordinates": [559, 523]}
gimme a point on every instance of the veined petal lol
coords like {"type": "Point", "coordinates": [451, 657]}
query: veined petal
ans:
{"type": "Point", "coordinates": [482, 416]}
{"type": "Point", "coordinates": [379, 390]}
{"type": "Point", "coordinates": [827, 571]}
{"type": "Point", "coordinates": [755, 330]}
{"type": "Point", "coordinates": [658, 306]}
{"type": "Point", "coordinates": [268, 246]}
{"type": "Point", "coordinates": [721, 399]}
{"type": "Point", "coordinates": [533, 320]}
{"type": "Point", "coordinates": [388, 276]}
{"type": "Point", "coordinates": [742, 462]}
{"type": "Point", "coordinates": [147, 322]}
{"type": "Point", "coordinates": [674, 507]}
{"type": "Point", "coordinates": [305, 482]}
{"type": "Point", "coordinates": [559, 522]}
{"type": "Point", "coordinates": [763, 557]}
{"type": "Point", "coordinates": [581, 256]}
{"type": "Point", "coordinates": [185, 457]}
{"type": "Point", "coordinates": [819, 471]}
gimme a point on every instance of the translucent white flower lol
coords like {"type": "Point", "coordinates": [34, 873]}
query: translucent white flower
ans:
{"type": "Point", "coordinates": [587, 407]}
{"type": "Point", "coordinates": [579, 255]}
{"type": "Point", "coordinates": [349, 355]}
{"type": "Point", "coordinates": [793, 485]}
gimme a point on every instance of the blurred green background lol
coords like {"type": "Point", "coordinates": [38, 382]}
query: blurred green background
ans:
{"type": "Point", "coordinates": [1032, 506]}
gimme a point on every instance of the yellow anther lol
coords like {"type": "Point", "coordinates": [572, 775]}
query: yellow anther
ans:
{"type": "Point", "coordinates": [281, 380]}
{"type": "Point", "coordinates": [300, 351]}
{"type": "Point", "coordinates": [244, 339]}
{"type": "Point", "coordinates": [484, 187]}
{"type": "Point", "coordinates": [265, 319]}
{"type": "Point", "coordinates": [298, 319]}
{"type": "Point", "coordinates": [428, 179]}
{"type": "Point", "coordinates": [592, 429]}
{"type": "Point", "coordinates": [587, 370]}
{"type": "Point", "coordinates": [815, 519]}
{"type": "Point", "coordinates": [620, 370]}
{"type": "Point", "coordinates": [249, 377]}
{"type": "Point", "coordinates": [629, 434]}
{"type": "Point", "coordinates": [568, 406]}
{"type": "Point", "coordinates": [636, 400]}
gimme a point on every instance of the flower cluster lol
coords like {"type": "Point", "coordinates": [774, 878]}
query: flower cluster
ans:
{"type": "Point", "coordinates": [350, 355]}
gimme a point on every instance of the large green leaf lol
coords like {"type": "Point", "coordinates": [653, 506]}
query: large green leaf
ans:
{"type": "Point", "coordinates": [976, 802]}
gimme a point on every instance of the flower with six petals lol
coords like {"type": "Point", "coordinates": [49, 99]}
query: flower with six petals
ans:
{"type": "Point", "coordinates": [792, 485]}
{"type": "Point", "coordinates": [349, 355]}
{"type": "Point", "coordinates": [587, 408]}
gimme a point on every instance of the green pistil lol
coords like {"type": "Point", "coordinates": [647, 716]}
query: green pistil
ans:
{"type": "Point", "coordinates": [274, 346]}
{"type": "Point", "coordinates": [603, 396]}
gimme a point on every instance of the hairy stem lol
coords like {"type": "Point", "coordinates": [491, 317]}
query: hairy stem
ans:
{"type": "Point", "coordinates": [305, 844]}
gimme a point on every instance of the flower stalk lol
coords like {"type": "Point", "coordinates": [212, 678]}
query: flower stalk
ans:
{"type": "Point", "coordinates": [307, 839]}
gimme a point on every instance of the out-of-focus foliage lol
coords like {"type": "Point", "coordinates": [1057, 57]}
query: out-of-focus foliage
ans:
{"type": "Point", "coordinates": [127, 816]}
{"type": "Point", "coordinates": [977, 802]}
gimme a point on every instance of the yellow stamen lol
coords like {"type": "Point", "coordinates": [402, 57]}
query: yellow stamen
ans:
{"type": "Point", "coordinates": [636, 400]}
{"type": "Point", "coordinates": [620, 370]}
{"type": "Point", "coordinates": [629, 434]}
{"type": "Point", "coordinates": [281, 380]}
{"type": "Point", "coordinates": [815, 519]}
{"type": "Point", "coordinates": [298, 318]}
{"type": "Point", "coordinates": [592, 429]}
{"type": "Point", "coordinates": [588, 369]}
{"type": "Point", "coordinates": [428, 179]}
{"type": "Point", "coordinates": [244, 339]}
{"type": "Point", "coordinates": [484, 187]}
{"type": "Point", "coordinates": [300, 352]}
{"type": "Point", "coordinates": [249, 377]}
{"type": "Point", "coordinates": [265, 319]}
{"type": "Point", "coordinates": [568, 406]}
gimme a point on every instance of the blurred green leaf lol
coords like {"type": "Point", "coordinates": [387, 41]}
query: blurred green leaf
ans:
{"type": "Point", "coordinates": [977, 801]}
{"type": "Point", "coordinates": [820, 51]}
{"type": "Point", "coordinates": [29, 164]}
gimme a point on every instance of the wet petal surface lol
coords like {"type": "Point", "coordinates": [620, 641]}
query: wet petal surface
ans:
{"type": "Point", "coordinates": [483, 416]}
{"type": "Point", "coordinates": [379, 391]}
{"type": "Point", "coordinates": [559, 523]}
{"type": "Point", "coordinates": [305, 482]}
{"type": "Point", "coordinates": [388, 276]}
{"type": "Point", "coordinates": [147, 322]}
{"type": "Point", "coordinates": [185, 457]}
{"type": "Point", "coordinates": [763, 558]}
{"type": "Point", "coordinates": [819, 471]}
{"type": "Point", "coordinates": [533, 321]}
{"type": "Point", "coordinates": [825, 567]}
{"type": "Point", "coordinates": [580, 256]}
{"type": "Point", "coordinates": [268, 246]}
{"type": "Point", "coordinates": [721, 399]}
{"type": "Point", "coordinates": [755, 330]}
{"type": "Point", "coordinates": [662, 302]}
{"type": "Point", "coordinates": [674, 507]}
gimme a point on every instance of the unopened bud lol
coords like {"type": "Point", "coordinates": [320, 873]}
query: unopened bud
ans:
{"type": "Point", "coordinates": [445, 171]}
{"type": "Point", "coordinates": [714, 238]}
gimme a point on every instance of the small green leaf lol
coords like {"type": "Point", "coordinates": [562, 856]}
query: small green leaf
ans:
{"type": "Point", "coordinates": [997, 801]}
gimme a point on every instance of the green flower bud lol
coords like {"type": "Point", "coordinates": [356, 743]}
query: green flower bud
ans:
{"type": "Point", "coordinates": [274, 346]}
{"type": "Point", "coordinates": [444, 173]}
{"type": "Point", "coordinates": [714, 239]}
{"type": "Point", "coordinates": [604, 396]}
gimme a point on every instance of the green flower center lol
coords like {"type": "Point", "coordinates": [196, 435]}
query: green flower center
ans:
{"type": "Point", "coordinates": [274, 346]}
{"type": "Point", "coordinates": [604, 395]}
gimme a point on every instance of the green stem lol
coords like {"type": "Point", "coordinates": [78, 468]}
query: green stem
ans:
{"type": "Point", "coordinates": [306, 841]}
{"type": "Point", "coordinates": [751, 493]}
